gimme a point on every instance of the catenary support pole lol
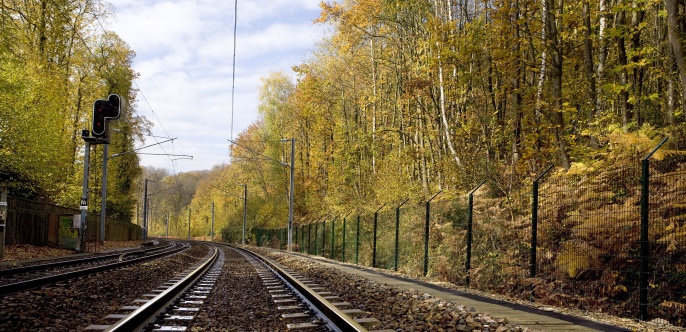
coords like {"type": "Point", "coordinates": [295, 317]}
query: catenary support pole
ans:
{"type": "Point", "coordinates": [212, 231]}
{"type": "Point", "coordinates": [245, 211]}
{"type": "Point", "coordinates": [145, 210]}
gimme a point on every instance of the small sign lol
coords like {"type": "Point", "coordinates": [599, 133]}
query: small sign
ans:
{"type": "Point", "coordinates": [84, 202]}
{"type": "Point", "coordinates": [3, 203]}
{"type": "Point", "coordinates": [76, 222]}
{"type": "Point", "coordinates": [83, 208]}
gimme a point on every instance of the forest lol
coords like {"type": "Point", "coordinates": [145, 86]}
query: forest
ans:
{"type": "Point", "coordinates": [56, 60]}
{"type": "Point", "coordinates": [399, 100]}
{"type": "Point", "coordinates": [406, 98]}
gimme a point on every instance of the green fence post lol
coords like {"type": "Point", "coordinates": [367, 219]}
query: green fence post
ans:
{"type": "Point", "coordinates": [302, 240]}
{"type": "Point", "coordinates": [426, 234]}
{"type": "Point", "coordinates": [645, 244]}
{"type": "Point", "coordinates": [316, 236]}
{"type": "Point", "coordinates": [309, 239]}
{"type": "Point", "coordinates": [397, 233]}
{"type": "Point", "coordinates": [534, 223]}
{"type": "Point", "coordinates": [333, 237]}
{"type": "Point", "coordinates": [323, 236]}
{"type": "Point", "coordinates": [468, 263]}
{"type": "Point", "coordinates": [376, 216]}
{"type": "Point", "coordinates": [357, 247]}
{"type": "Point", "coordinates": [344, 224]}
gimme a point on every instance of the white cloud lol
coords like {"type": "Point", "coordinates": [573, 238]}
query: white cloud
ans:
{"type": "Point", "coordinates": [184, 56]}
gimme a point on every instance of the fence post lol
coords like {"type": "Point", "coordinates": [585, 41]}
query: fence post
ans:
{"type": "Point", "coordinates": [357, 247]}
{"type": "Point", "coordinates": [316, 236]}
{"type": "Point", "coordinates": [302, 240]}
{"type": "Point", "coordinates": [426, 234]}
{"type": "Point", "coordinates": [468, 263]}
{"type": "Point", "coordinates": [645, 244]}
{"type": "Point", "coordinates": [309, 238]}
{"type": "Point", "coordinates": [333, 237]}
{"type": "Point", "coordinates": [344, 224]}
{"type": "Point", "coordinates": [376, 215]}
{"type": "Point", "coordinates": [534, 222]}
{"type": "Point", "coordinates": [397, 233]}
{"type": "Point", "coordinates": [323, 236]}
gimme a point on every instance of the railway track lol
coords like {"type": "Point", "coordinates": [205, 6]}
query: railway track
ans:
{"type": "Point", "coordinates": [304, 302]}
{"type": "Point", "coordinates": [27, 277]}
{"type": "Point", "coordinates": [172, 302]}
{"type": "Point", "coordinates": [173, 305]}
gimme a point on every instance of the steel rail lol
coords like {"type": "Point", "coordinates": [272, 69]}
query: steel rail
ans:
{"type": "Point", "coordinates": [337, 317]}
{"type": "Point", "coordinates": [100, 257]}
{"type": "Point", "coordinates": [150, 310]}
{"type": "Point", "coordinates": [38, 282]}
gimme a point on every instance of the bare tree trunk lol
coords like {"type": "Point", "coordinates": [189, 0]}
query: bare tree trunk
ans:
{"type": "Point", "coordinates": [588, 60]}
{"type": "Point", "coordinates": [556, 82]}
{"type": "Point", "coordinates": [624, 105]}
{"type": "Point", "coordinates": [602, 56]}
{"type": "Point", "coordinates": [674, 30]}
{"type": "Point", "coordinates": [444, 118]}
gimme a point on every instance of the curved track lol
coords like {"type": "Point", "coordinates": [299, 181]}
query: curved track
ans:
{"type": "Point", "coordinates": [144, 315]}
{"type": "Point", "coordinates": [49, 273]}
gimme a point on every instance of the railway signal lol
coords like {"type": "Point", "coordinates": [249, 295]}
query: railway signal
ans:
{"type": "Point", "coordinates": [103, 112]}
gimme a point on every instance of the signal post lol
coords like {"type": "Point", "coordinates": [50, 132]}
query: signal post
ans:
{"type": "Point", "coordinates": [103, 112]}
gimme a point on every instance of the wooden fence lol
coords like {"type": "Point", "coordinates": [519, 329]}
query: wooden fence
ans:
{"type": "Point", "coordinates": [37, 223]}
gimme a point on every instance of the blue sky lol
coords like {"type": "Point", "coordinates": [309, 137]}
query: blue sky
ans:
{"type": "Point", "coordinates": [184, 54]}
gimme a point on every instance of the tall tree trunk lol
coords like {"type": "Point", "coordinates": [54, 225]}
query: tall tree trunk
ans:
{"type": "Point", "coordinates": [556, 58]}
{"type": "Point", "coordinates": [444, 118]}
{"type": "Point", "coordinates": [625, 106]}
{"type": "Point", "coordinates": [602, 56]}
{"type": "Point", "coordinates": [590, 77]}
{"type": "Point", "coordinates": [674, 30]}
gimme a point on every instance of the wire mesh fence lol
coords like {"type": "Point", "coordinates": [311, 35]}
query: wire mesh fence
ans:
{"type": "Point", "coordinates": [574, 240]}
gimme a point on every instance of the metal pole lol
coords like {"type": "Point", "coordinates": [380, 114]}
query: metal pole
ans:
{"type": "Point", "coordinates": [290, 202]}
{"type": "Point", "coordinates": [316, 236]}
{"type": "Point", "coordinates": [212, 231]}
{"type": "Point", "coordinates": [245, 210]}
{"type": "Point", "coordinates": [145, 210]}
{"type": "Point", "coordinates": [309, 238]}
{"type": "Point", "coordinates": [357, 248]}
{"type": "Point", "coordinates": [333, 237]}
{"type": "Point", "coordinates": [323, 236]}
{"type": "Point", "coordinates": [645, 235]}
{"type": "Point", "coordinates": [83, 206]}
{"type": "Point", "coordinates": [397, 232]}
{"type": "Point", "coordinates": [344, 224]}
{"type": "Point", "coordinates": [468, 263]}
{"type": "Point", "coordinates": [167, 234]}
{"type": "Point", "coordinates": [426, 234]}
{"type": "Point", "coordinates": [103, 193]}
{"type": "Point", "coordinates": [189, 223]}
{"type": "Point", "coordinates": [376, 215]}
{"type": "Point", "coordinates": [3, 219]}
{"type": "Point", "coordinates": [534, 223]}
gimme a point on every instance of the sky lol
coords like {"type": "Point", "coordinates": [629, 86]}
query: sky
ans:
{"type": "Point", "coordinates": [184, 56]}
